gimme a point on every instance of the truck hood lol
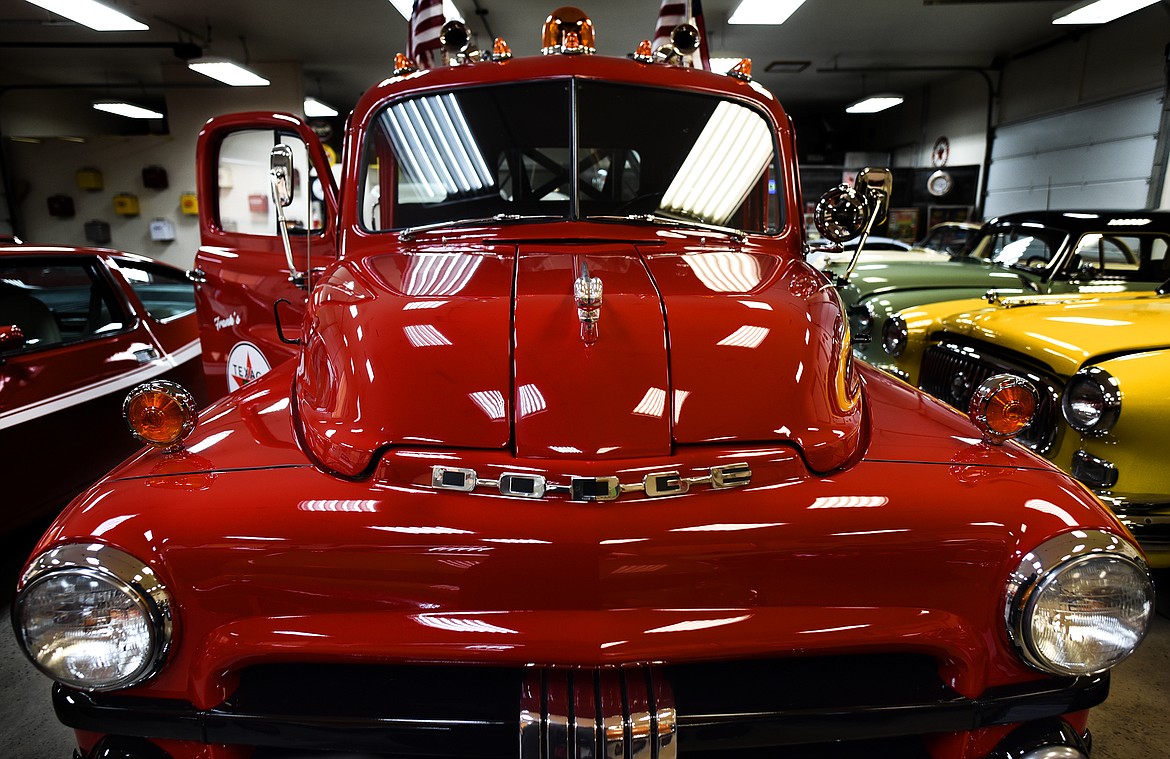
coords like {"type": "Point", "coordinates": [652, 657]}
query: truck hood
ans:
{"type": "Point", "coordinates": [1065, 332]}
{"type": "Point", "coordinates": [481, 347]}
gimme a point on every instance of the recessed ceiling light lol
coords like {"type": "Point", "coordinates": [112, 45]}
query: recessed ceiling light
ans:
{"type": "Point", "coordinates": [96, 16]}
{"type": "Point", "coordinates": [129, 110]}
{"type": "Point", "coordinates": [1099, 11]}
{"type": "Point", "coordinates": [787, 67]}
{"type": "Point", "coordinates": [315, 109]}
{"type": "Point", "coordinates": [227, 71]}
{"type": "Point", "coordinates": [874, 103]}
{"type": "Point", "coordinates": [763, 11]}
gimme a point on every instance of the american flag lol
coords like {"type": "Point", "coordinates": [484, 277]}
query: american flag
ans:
{"type": "Point", "coordinates": [426, 21]}
{"type": "Point", "coordinates": [674, 12]}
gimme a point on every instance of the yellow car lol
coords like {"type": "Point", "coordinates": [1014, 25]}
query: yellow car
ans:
{"type": "Point", "coordinates": [1099, 364]}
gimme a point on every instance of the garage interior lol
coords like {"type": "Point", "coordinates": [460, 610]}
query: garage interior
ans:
{"type": "Point", "coordinates": [1022, 113]}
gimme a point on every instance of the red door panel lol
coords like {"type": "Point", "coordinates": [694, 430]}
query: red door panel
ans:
{"type": "Point", "coordinates": [241, 269]}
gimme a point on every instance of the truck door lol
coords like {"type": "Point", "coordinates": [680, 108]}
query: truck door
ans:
{"type": "Point", "coordinates": [241, 269]}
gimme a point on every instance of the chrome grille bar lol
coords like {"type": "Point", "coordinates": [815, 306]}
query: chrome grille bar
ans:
{"type": "Point", "coordinates": [612, 713]}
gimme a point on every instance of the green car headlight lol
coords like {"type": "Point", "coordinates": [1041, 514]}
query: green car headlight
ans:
{"type": "Point", "coordinates": [1092, 401]}
{"type": "Point", "coordinates": [93, 617]}
{"type": "Point", "coordinates": [1079, 603]}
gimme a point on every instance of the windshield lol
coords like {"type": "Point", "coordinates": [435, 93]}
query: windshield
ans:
{"type": "Point", "coordinates": [1027, 246]}
{"type": "Point", "coordinates": [508, 149]}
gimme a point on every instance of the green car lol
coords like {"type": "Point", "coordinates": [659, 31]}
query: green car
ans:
{"type": "Point", "coordinates": [1031, 252]}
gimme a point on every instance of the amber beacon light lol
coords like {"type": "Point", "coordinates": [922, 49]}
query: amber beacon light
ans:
{"type": "Point", "coordinates": [1002, 406]}
{"type": "Point", "coordinates": [160, 413]}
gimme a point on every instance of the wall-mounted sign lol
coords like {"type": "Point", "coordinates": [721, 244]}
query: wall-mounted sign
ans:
{"type": "Point", "coordinates": [162, 230]}
{"type": "Point", "coordinates": [89, 179]}
{"type": "Point", "coordinates": [941, 153]}
{"type": "Point", "coordinates": [189, 204]}
{"type": "Point", "coordinates": [126, 204]}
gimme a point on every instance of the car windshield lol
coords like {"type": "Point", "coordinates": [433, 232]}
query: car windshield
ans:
{"type": "Point", "coordinates": [1026, 246]}
{"type": "Point", "coordinates": [509, 150]}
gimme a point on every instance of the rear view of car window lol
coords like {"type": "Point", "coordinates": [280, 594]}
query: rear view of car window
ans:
{"type": "Point", "coordinates": [55, 302]}
{"type": "Point", "coordinates": [164, 294]}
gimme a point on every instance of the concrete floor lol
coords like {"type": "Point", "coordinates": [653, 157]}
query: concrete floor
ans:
{"type": "Point", "coordinates": [1134, 723]}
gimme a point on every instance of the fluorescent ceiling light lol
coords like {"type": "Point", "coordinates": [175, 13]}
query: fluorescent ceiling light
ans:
{"type": "Point", "coordinates": [764, 11]}
{"type": "Point", "coordinates": [874, 103]}
{"type": "Point", "coordinates": [315, 109]}
{"type": "Point", "coordinates": [450, 12]}
{"type": "Point", "coordinates": [96, 16]}
{"type": "Point", "coordinates": [129, 110]}
{"type": "Point", "coordinates": [1099, 11]}
{"type": "Point", "coordinates": [227, 72]}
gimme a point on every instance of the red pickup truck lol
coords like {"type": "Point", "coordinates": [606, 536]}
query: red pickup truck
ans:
{"type": "Point", "coordinates": [557, 448]}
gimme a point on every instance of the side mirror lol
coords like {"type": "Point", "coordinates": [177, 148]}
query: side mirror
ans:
{"type": "Point", "coordinates": [845, 212]}
{"type": "Point", "coordinates": [841, 214]}
{"type": "Point", "coordinates": [282, 175]}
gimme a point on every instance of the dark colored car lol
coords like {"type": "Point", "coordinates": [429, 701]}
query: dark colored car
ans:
{"type": "Point", "coordinates": [78, 328]}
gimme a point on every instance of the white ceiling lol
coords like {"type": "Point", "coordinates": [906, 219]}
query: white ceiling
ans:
{"type": "Point", "coordinates": [346, 45]}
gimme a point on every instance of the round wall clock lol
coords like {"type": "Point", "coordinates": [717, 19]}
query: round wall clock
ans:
{"type": "Point", "coordinates": [939, 183]}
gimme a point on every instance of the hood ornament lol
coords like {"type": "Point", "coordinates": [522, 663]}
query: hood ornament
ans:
{"type": "Point", "coordinates": [587, 293]}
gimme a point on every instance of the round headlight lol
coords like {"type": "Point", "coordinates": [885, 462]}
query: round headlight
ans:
{"type": "Point", "coordinates": [1092, 401]}
{"type": "Point", "coordinates": [895, 335]}
{"type": "Point", "coordinates": [1080, 603]}
{"type": "Point", "coordinates": [93, 617]}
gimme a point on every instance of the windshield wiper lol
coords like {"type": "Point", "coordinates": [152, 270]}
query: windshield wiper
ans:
{"type": "Point", "coordinates": [671, 222]}
{"type": "Point", "coordinates": [410, 232]}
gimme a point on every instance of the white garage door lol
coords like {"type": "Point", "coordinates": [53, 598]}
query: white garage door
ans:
{"type": "Point", "coordinates": [1096, 157]}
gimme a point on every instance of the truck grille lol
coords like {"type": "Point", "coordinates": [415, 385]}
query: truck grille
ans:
{"type": "Point", "coordinates": [628, 712]}
{"type": "Point", "coordinates": [952, 371]}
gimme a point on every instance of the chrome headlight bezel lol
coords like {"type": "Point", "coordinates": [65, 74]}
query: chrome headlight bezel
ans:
{"type": "Point", "coordinates": [1037, 573]}
{"type": "Point", "coordinates": [1107, 390]}
{"type": "Point", "coordinates": [118, 571]}
{"type": "Point", "coordinates": [895, 335]}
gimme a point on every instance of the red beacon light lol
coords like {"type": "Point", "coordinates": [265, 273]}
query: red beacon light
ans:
{"type": "Point", "coordinates": [161, 414]}
{"type": "Point", "coordinates": [1002, 406]}
{"type": "Point", "coordinates": [645, 52]}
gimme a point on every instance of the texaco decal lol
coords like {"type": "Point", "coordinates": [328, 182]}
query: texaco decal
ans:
{"type": "Point", "coordinates": [245, 363]}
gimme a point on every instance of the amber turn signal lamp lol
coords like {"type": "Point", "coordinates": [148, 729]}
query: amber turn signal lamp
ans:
{"type": "Point", "coordinates": [403, 64]}
{"type": "Point", "coordinates": [1002, 406]}
{"type": "Point", "coordinates": [500, 50]}
{"type": "Point", "coordinates": [644, 53]}
{"type": "Point", "coordinates": [742, 70]}
{"type": "Point", "coordinates": [160, 413]}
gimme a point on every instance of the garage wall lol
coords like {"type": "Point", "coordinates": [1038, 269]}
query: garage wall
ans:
{"type": "Point", "coordinates": [1094, 157]}
{"type": "Point", "coordinates": [48, 167]}
{"type": "Point", "coordinates": [1064, 98]}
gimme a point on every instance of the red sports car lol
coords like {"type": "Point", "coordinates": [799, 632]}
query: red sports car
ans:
{"type": "Point", "coordinates": [78, 328]}
{"type": "Point", "coordinates": [571, 460]}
